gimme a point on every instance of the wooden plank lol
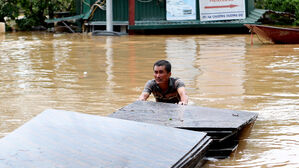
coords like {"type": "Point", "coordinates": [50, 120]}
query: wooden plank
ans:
{"type": "Point", "coordinates": [187, 117]}
{"type": "Point", "coordinates": [223, 126]}
{"type": "Point", "coordinates": [97, 23]}
{"type": "Point", "coordinates": [64, 19]}
{"type": "Point", "coordinates": [57, 138]}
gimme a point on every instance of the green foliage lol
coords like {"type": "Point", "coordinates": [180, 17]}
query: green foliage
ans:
{"type": "Point", "coordinates": [290, 6]}
{"type": "Point", "coordinates": [26, 23]}
{"type": "Point", "coordinates": [35, 11]}
{"type": "Point", "coordinates": [8, 8]}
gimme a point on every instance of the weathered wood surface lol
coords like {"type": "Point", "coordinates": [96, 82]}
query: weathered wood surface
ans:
{"type": "Point", "coordinates": [189, 117]}
{"type": "Point", "coordinates": [58, 138]}
{"type": "Point", "coordinates": [223, 126]}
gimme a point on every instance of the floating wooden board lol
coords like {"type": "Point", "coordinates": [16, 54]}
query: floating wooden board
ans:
{"type": "Point", "coordinates": [223, 126]}
{"type": "Point", "coordinates": [57, 138]}
{"type": "Point", "coordinates": [188, 117]}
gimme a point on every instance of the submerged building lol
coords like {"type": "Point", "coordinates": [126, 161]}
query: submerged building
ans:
{"type": "Point", "coordinates": [165, 14]}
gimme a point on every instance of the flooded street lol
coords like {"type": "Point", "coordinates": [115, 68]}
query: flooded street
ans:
{"type": "Point", "coordinates": [98, 75]}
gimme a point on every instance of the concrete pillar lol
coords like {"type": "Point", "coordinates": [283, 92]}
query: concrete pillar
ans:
{"type": "Point", "coordinates": [109, 16]}
{"type": "Point", "coordinates": [123, 29]}
{"type": "Point", "coordinates": [2, 27]}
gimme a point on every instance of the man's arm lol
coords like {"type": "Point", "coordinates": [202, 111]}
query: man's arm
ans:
{"type": "Point", "coordinates": [144, 96]}
{"type": "Point", "coordinates": [147, 91]}
{"type": "Point", "coordinates": [183, 95]}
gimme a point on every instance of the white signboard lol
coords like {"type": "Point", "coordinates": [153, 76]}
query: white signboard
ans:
{"type": "Point", "coordinates": [211, 10]}
{"type": "Point", "coordinates": [180, 10]}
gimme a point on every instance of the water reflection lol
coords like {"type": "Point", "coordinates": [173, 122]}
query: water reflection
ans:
{"type": "Point", "coordinates": [221, 60]}
{"type": "Point", "coordinates": [61, 52]}
{"type": "Point", "coordinates": [109, 62]}
{"type": "Point", "coordinates": [99, 75]}
{"type": "Point", "coordinates": [280, 64]}
{"type": "Point", "coordinates": [2, 37]}
{"type": "Point", "coordinates": [182, 53]}
{"type": "Point", "coordinates": [271, 89]}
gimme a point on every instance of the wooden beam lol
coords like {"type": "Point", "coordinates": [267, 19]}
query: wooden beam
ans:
{"type": "Point", "coordinates": [132, 12]}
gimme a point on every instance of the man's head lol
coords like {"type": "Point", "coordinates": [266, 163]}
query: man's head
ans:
{"type": "Point", "coordinates": [162, 71]}
{"type": "Point", "coordinates": [163, 63]}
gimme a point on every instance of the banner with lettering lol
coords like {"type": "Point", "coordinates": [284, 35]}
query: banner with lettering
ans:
{"type": "Point", "coordinates": [180, 10]}
{"type": "Point", "coordinates": [213, 10]}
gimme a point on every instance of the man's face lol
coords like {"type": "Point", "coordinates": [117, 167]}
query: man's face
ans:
{"type": "Point", "coordinates": [161, 75]}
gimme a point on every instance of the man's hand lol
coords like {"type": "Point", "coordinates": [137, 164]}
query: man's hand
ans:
{"type": "Point", "coordinates": [143, 96]}
{"type": "Point", "coordinates": [183, 95]}
{"type": "Point", "coordinates": [183, 103]}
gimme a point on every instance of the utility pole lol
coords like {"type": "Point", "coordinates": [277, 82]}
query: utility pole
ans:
{"type": "Point", "coordinates": [109, 16]}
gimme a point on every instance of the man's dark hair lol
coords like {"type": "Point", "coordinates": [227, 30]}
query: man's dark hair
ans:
{"type": "Point", "coordinates": [163, 63]}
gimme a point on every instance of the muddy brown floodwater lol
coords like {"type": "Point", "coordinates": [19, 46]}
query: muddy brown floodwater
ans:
{"type": "Point", "coordinates": [98, 75]}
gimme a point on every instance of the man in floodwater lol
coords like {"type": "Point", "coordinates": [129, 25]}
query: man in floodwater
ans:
{"type": "Point", "coordinates": [165, 88]}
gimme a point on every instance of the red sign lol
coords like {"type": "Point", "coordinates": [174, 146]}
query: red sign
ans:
{"type": "Point", "coordinates": [224, 6]}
